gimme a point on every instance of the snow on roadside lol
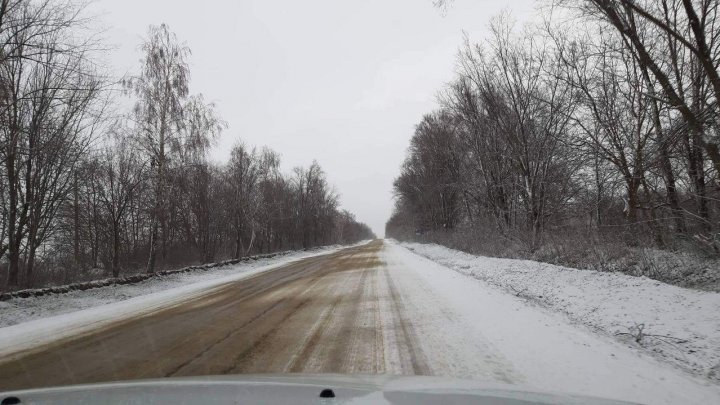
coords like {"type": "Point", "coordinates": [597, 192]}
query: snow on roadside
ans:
{"type": "Point", "coordinates": [29, 322]}
{"type": "Point", "coordinates": [468, 328]}
{"type": "Point", "coordinates": [681, 326]}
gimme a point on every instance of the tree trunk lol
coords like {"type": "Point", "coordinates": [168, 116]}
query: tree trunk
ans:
{"type": "Point", "coordinates": [696, 173]}
{"type": "Point", "coordinates": [153, 246]}
{"type": "Point", "coordinates": [665, 164]}
{"type": "Point", "coordinates": [116, 252]}
{"type": "Point", "coordinates": [154, 233]}
{"type": "Point", "coordinates": [700, 185]}
{"type": "Point", "coordinates": [598, 193]}
{"type": "Point", "coordinates": [632, 201]}
{"type": "Point", "coordinates": [672, 197]}
{"type": "Point", "coordinates": [654, 226]}
{"type": "Point", "coordinates": [29, 265]}
{"type": "Point", "coordinates": [159, 209]}
{"type": "Point", "coordinates": [696, 151]}
{"type": "Point", "coordinates": [13, 242]}
{"type": "Point", "coordinates": [252, 240]}
{"type": "Point", "coordinates": [76, 224]}
{"type": "Point", "coordinates": [238, 244]}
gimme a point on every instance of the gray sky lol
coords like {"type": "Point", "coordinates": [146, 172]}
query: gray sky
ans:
{"type": "Point", "coordinates": [343, 82]}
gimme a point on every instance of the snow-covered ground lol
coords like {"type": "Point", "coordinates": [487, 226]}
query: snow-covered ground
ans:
{"type": "Point", "coordinates": [679, 325]}
{"type": "Point", "coordinates": [34, 321]}
{"type": "Point", "coordinates": [469, 328]}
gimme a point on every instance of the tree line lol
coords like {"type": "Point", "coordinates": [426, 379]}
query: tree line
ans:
{"type": "Point", "coordinates": [89, 190]}
{"type": "Point", "coordinates": [599, 124]}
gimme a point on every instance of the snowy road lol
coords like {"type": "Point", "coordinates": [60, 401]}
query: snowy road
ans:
{"type": "Point", "coordinates": [377, 308]}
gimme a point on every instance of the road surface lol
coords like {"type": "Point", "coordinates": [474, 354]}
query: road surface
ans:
{"type": "Point", "coordinates": [320, 315]}
{"type": "Point", "coordinates": [371, 309]}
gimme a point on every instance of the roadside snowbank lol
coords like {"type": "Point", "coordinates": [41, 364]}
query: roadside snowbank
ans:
{"type": "Point", "coordinates": [468, 328]}
{"type": "Point", "coordinates": [129, 279]}
{"type": "Point", "coordinates": [29, 322]}
{"type": "Point", "coordinates": [675, 324]}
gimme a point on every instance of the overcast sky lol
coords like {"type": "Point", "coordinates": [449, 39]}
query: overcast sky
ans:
{"type": "Point", "coordinates": [343, 82]}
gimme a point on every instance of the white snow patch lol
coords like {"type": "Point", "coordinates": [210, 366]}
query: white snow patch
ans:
{"type": "Point", "coordinates": [682, 325]}
{"type": "Point", "coordinates": [469, 328]}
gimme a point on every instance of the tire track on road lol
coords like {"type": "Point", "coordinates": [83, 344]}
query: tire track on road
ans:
{"type": "Point", "coordinates": [216, 342]}
{"type": "Point", "coordinates": [379, 344]}
{"type": "Point", "coordinates": [273, 348]}
{"type": "Point", "coordinates": [264, 345]}
{"type": "Point", "coordinates": [297, 363]}
{"type": "Point", "coordinates": [418, 362]}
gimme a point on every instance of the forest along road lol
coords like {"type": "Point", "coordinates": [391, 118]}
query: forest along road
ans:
{"type": "Point", "coordinates": [371, 309]}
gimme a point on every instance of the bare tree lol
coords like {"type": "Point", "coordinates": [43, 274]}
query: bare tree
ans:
{"type": "Point", "coordinates": [161, 88]}
{"type": "Point", "coordinates": [49, 104]}
{"type": "Point", "coordinates": [122, 177]}
{"type": "Point", "coordinates": [658, 32]}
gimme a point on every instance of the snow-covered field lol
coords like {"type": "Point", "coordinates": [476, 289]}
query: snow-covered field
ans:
{"type": "Point", "coordinates": [469, 328]}
{"type": "Point", "coordinates": [29, 322]}
{"type": "Point", "coordinates": [678, 325]}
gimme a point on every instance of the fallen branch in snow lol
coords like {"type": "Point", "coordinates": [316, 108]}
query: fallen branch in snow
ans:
{"type": "Point", "coordinates": [521, 293]}
{"type": "Point", "coordinates": [518, 292]}
{"type": "Point", "coordinates": [635, 331]}
{"type": "Point", "coordinates": [638, 334]}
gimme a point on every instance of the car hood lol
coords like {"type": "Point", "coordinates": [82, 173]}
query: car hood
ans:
{"type": "Point", "coordinates": [298, 389]}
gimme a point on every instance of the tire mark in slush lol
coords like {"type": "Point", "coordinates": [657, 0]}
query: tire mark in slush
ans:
{"type": "Point", "coordinates": [342, 353]}
{"type": "Point", "coordinates": [417, 358]}
{"type": "Point", "coordinates": [379, 345]}
{"type": "Point", "coordinates": [262, 340]}
{"type": "Point", "coordinates": [240, 328]}
{"type": "Point", "coordinates": [236, 363]}
{"type": "Point", "coordinates": [298, 363]}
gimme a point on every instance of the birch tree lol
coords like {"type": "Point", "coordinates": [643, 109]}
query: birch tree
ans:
{"type": "Point", "coordinates": [161, 89]}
